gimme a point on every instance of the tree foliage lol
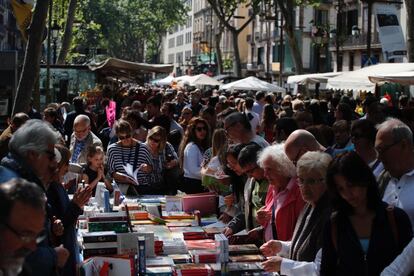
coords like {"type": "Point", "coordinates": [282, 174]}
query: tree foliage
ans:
{"type": "Point", "coordinates": [126, 27]}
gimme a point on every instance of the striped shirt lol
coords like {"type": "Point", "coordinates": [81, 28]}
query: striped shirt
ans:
{"type": "Point", "coordinates": [119, 156]}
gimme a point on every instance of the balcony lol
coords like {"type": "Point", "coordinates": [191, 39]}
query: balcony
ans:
{"type": "Point", "coordinates": [357, 42]}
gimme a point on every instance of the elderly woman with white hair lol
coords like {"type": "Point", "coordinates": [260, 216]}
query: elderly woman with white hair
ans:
{"type": "Point", "coordinates": [283, 201]}
{"type": "Point", "coordinates": [307, 239]}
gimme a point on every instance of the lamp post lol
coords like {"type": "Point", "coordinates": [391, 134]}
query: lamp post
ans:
{"type": "Point", "coordinates": [55, 33]}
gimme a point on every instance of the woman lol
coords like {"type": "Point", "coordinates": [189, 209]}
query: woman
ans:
{"type": "Point", "coordinates": [363, 236]}
{"type": "Point", "coordinates": [163, 158]}
{"type": "Point", "coordinates": [66, 210]}
{"type": "Point", "coordinates": [195, 142]}
{"type": "Point", "coordinates": [128, 158]}
{"type": "Point", "coordinates": [267, 123]}
{"type": "Point", "coordinates": [186, 116]}
{"type": "Point", "coordinates": [308, 234]}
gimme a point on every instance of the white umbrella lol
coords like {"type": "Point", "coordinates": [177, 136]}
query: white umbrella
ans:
{"type": "Point", "coordinates": [312, 78]}
{"type": "Point", "coordinates": [166, 80]}
{"type": "Point", "coordinates": [252, 83]}
{"type": "Point", "coordinates": [405, 78]}
{"type": "Point", "coordinates": [203, 79]}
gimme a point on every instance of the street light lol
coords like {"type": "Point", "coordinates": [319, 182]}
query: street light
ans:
{"type": "Point", "coordinates": [55, 33]}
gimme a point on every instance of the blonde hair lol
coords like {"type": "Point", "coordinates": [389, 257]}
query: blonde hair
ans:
{"type": "Point", "coordinates": [219, 144]}
{"type": "Point", "coordinates": [161, 133]}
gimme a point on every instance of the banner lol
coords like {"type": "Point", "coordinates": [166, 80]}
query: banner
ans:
{"type": "Point", "coordinates": [390, 32]}
{"type": "Point", "coordinates": [22, 10]}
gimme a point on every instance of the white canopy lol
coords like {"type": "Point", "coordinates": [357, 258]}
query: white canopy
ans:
{"type": "Point", "coordinates": [312, 78]}
{"type": "Point", "coordinates": [252, 83]}
{"type": "Point", "coordinates": [405, 78]}
{"type": "Point", "coordinates": [203, 79]}
{"type": "Point", "coordinates": [358, 80]}
{"type": "Point", "coordinates": [184, 78]}
{"type": "Point", "coordinates": [166, 80]}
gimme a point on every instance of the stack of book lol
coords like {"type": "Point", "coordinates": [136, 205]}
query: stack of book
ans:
{"type": "Point", "coordinates": [201, 244]}
{"type": "Point", "coordinates": [222, 245]}
{"type": "Point", "coordinates": [99, 244]}
{"type": "Point", "coordinates": [158, 247]}
{"type": "Point", "coordinates": [203, 256]}
{"type": "Point", "coordinates": [243, 249]}
{"type": "Point", "coordinates": [117, 222]}
{"type": "Point", "coordinates": [190, 233]}
{"type": "Point", "coordinates": [181, 258]}
{"type": "Point", "coordinates": [193, 270]}
{"type": "Point", "coordinates": [159, 271]}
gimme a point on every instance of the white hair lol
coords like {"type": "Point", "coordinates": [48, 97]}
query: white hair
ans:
{"type": "Point", "coordinates": [314, 161]}
{"type": "Point", "coordinates": [398, 129]}
{"type": "Point", "coordinates": [278, 157]}
{"type": "Point", "coordinates": [34, 135]}
{"type": "Point", "coordinates": [82, 119]}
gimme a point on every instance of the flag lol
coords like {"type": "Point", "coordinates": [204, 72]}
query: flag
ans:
{"type": "Point", "coordinates": [22, 10]}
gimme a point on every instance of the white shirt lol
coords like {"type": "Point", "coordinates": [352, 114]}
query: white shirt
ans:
{"type": "Point", "coordinates": [258, 108]}
{"type": "Point", "coordinates": [192, 161]}
{"type": "Point", "coordinates": [254, 122]}
{"type": "Point", "coordinates": [400, 193]}
{"type": "Point", "coordinates": [403, 264]}
{"type": "Point", "coordinates": [290, 267]}
{"type": "Point", "coordinates": [260, 141]}
{"type": "Point", "coordinates": [174, 125]}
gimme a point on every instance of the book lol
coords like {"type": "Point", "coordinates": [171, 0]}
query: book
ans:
{"type": "Point", "coordinates": [87, 253]}
{"type": "Point", "coordinates": [104, 236]}
{"type": "Point", "coordinates": [131, 173]}
{"type": "Point", "coordinates": [239, 268]}
{"type": "Point", "coordinates": [117, 226]}
{"type": "Point", "coordinates": [247, 258]}
{"type": "Point", "coordinates": [181, 258]}
{"type": "Point", "coordinates": [206, 203]}
{"type": "Point", "coordinates": [200, 244]}
{"type": "Point", "coordinates": [160, 261]}
{"type": "Point", "coordinates": [97, 245]}
{"type": "Point", "coordinates": [127, 243]}
{"type": "Point", "coordinates": [159, 271]}
{"type": "Point", "coordinates": [173, 204]}
{"type": "Point", "coordinates": [239, 249]}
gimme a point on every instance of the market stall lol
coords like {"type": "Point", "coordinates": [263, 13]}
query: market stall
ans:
{"type": "Point", "coordinates": [252, 83]}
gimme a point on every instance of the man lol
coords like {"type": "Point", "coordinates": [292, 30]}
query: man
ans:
{"type": "Point", "coordinates": [168, 110]}
{"type": "Point", "coordinates": [255, 190]}
{"type": "Point", "coordinates": [394, 144]}
{"type": "Point", "coordinates": [32, 157]}
{"type": "Point", "coordinates": [343, 141]}
{"type": "Point", "coordinates": [363, 137]}
{"type": "Point", "coordinates": [82, 138]}
{"type": "Point", "coordinates": [16, 121]}
{"type": "Point", "coordinates": [299, 142]}
{"type": "Point", "coordinates": [195, 104]}
{"type": "Point", "coordinates": [259, 103]}
{"type": "Point", "coordinates": [156, 118]}
{"type": "Point", "coordinates": [253, 117]}
{"type": "Point", "coordinates": [180, 103]}
{"type": "Point", "coordinates": [78, 104]}
{"type": "Point", "coordinates": [239, 130]}
{"type": "Point", "coordinates": [22, 215]}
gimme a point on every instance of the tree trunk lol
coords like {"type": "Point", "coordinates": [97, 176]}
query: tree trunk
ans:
{"type": "Point", "coordinates": [236, 59]}
{"type": "Point", "coordinates": [218, 50]}
{"type": "Point", "coordinates": [295, 50]}
{"type": "Point", "coordinates": [67, 36]}
{"type": "Point", "coordinates": [31, 64]}
{"type": "Point", "coordinates": [409, 5]}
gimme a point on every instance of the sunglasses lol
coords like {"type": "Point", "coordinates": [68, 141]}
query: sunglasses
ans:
{"type": "Point", "coordinates": [124, 137]}
{"type": "Point", "coordinates": [155, 140]}
{"type": "Point", "coordinates": [201, 129]}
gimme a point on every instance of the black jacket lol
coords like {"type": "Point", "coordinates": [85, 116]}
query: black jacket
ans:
{"type": "Point", "coordinates": [348, 258]}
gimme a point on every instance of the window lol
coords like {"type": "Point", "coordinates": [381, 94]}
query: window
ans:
{"type": "Point", "coordinates": [188, 37]}
{"type": "Point", "coordinates": [189, 21]}
{"type": "Point", "coordinates": [171, 42]}
{"type": "Point", "coordinates": [179, 57]}
{"type": "Point", "coordinates": [351, 61]}
{"type": "Point", "coordinates": [171, 58]}
{"type": "Point", "coordinates": [180, 40]}
{"type": "Point", "coordinates": [187, 56]}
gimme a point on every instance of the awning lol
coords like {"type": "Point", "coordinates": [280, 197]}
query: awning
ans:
{"type": "Point", "coordinates": [404, 78]}
{"type": "Point", "coordinates": [203, 79]}
{"type": "Point", "coordinates": [312, 78]}
{"type": "Point", "coordinates": [358, 80]}
{"type": "Point", "coordinates": [252, 83]}
{"type": "Point", "coordinates": [118, 68]}
{"type": "Point", "coordinates": [165, 81]}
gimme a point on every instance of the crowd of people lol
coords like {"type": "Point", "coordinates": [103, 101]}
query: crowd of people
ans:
{"type": "Point", "coordinates": [323, 186]}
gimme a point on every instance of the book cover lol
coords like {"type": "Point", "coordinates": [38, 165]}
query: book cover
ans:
{"type": "Point", "coordinates": [201, 244]}
{"type": "Point", "coordinates": [160, 261]}
{"type": "Point", "coordinates": [239, 249]}
{"type": "Point", "coordinates": [98, 245]}
{"type": "Point", "coordinates": [87, 253]}
{"type": "Point", "coordinates": [159, 271]}
{"type": "Point", "coordinates": [117, 226]}
{"type": "Point", "coordinates": [104, 236]}
{"type": "Point", "coordinates": [247, 258]}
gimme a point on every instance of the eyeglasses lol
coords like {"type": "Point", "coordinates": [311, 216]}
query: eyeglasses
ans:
{"type": "Point", "coordinates": [310, 181]}
{"type": "Point", "coordinates": [124, 137]}
{"type": "Point", "coordinates": [383, 149]}
{"type": "Point", "coordinates": [26, 238]}
{"type": "Point", "coordinates": [155, 140]}
{"type": "Point", "coordinates": [51, 154]}
{"type": "Point", "coordinates": [201, 129]}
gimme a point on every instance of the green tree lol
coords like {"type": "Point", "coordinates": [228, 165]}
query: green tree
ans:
{"type": "Point", "coordinates": [31, 64]}
{"type": "Point", "coordinates": [67, 35]}
{"type": "Point", "coordinates": [128, 28]}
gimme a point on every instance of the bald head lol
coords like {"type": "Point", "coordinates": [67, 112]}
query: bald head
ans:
{"type": "Point", "coordinates": [81, 127]}
{"type": "Point", "coordinates": [299, 142]}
